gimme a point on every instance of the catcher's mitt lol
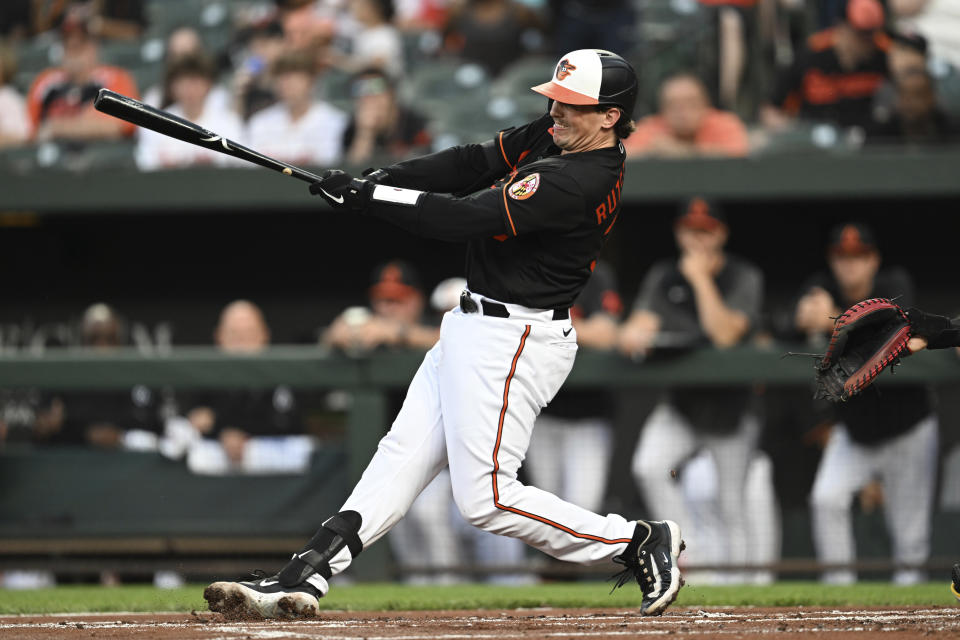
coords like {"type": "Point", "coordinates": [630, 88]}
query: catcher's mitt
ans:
{"type": "Point", "coordinates": [867, 338]}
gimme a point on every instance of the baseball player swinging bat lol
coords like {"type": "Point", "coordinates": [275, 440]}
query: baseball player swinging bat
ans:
{"type": "Point", "coordinates": [142, 115]}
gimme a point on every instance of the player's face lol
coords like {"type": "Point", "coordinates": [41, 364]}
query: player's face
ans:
{"type": "Point", "coordinates": [701, 240]}
{"type": "Point", "coordinates": [406, 309]}
{"type": "Point", "coordinates": [580, 127]}
{"type": "Point", "coordinates": [242, 330]}
{"type": "Point", "coordinates": [854, 271]}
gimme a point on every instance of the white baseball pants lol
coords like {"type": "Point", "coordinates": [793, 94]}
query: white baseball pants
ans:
{"type": "Point", "coordinates": [472, 406]}
{"type": "Point", "coordinates": [906, 466]}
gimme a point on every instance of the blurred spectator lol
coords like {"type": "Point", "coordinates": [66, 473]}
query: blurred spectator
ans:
{"type": "Point", "coordinates": [129, 419]}
{"type": "Point", "coordinates": [183, 42]}
{"type": "Point", "coordinates": [299, 129]}
{"type": "Point", "coordinates": [705, 298]}
{"type": "Point", "coordinates": [572, 440]}
{"type": "Point", "coordinates": [733, 18]}
{"type": "Point", "coordinates": [252, 87]}
{"type": "Point", "coordinates": [256, 430]}
{"type": "Point", "coordinates": [908, 52]}
{"type": "Point", "coordinates": [687, 125]}
{"type": "Point", "coordinates": [836, 76]}
{"type": "Point", "coordinates": [394, 319]}
{"type": "Point", "coordinates": [379, 124]}
{"type": "Point", "coordinates": [937, 20]}
{"type": "Point", "coordinates": [60, 101]}
{"type": "Point", "coordinates": [887, 432]}
{"type": "Point", "coordinates": [916, 119]}
{"type": "Point", "coordinates": [375, 42]}
{"type": "Point", "coordinates": [492, 33]}
{"type": "Point", "coordinates": [421, 15]}
{"type": "Point", "coordinates": [190, 80]}
{"type": "Point", "coordinates": [597, 24]}
{"type": "Point", "coordinates": [305, 30]}
{"type": "Point", "coordinates": [117, 19]}
{"type": "Point", "coordinates": [14, 123]}
{"type": "Point", "coordinates": [110, 19]}
{"type": "Point", "coordinates": [15, 19]}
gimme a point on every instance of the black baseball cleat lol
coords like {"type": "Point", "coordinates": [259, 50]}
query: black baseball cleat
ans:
{"type": "Point", "coordinates": [651, 559]}
{"type": "Point", "coordinates": [955, 585]}
{"type": "Point", "coordinates": [265, 597]}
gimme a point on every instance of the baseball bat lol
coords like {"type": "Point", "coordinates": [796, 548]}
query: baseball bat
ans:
{"type": "Point", "coordinates": [143, 115]}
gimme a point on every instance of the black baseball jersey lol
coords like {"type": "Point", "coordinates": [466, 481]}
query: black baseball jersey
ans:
{"type": "Point", "coordinates": [534, 220]}
{"type": "Point", "coordinates": [817, 87]}
{"type": "Point", "coordinates": [667, 293]}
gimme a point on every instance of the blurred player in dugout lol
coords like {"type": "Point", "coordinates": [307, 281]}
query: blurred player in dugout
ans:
{"type": "Point", "coordinates": [707, 297]}
{"type": "Point", "coordinates": [886, 434]}
{"type": "Point", "coordinates": [243, 430]}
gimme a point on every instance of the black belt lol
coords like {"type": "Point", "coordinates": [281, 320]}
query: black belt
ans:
{"type": "Point", "coordinates": [497, 310]}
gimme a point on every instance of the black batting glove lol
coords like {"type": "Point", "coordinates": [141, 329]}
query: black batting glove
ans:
{"type": "Point", "coordinates": [342, 191]}
{"type": "Point", "coordinates": [377, 176]}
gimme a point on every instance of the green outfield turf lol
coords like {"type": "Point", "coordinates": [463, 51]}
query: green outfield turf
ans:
{"type": "Point", "coordinates": [387, 597]}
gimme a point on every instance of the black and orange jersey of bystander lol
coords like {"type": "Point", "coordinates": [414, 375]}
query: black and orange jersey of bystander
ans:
{"type": "Point", "coordinates": [816, 87]}
{"type": "Point", "coordinates": [534, 219]}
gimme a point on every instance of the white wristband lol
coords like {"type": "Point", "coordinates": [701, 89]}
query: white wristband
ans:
{"type": "Point", "coordinates": [396, 195]}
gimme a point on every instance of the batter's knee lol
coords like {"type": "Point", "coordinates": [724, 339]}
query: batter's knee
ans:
{"type": "Point", "coordinates": [476, 503]}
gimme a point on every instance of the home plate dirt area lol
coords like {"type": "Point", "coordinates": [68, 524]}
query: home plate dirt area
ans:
{"type": "Point", "coordinates": [719, 622]}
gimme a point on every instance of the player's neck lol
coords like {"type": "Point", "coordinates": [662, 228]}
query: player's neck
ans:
{"type": "Point", "coordinates": [603, 140]}
{"type": "Point", "coordinates": [861, 292]}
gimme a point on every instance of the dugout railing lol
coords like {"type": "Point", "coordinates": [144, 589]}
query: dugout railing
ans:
{"type": "Point", "coordinates": [81, 510]}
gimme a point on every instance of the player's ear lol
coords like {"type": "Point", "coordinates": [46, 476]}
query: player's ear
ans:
{"type": "Point", "coordinates": [611, 116]}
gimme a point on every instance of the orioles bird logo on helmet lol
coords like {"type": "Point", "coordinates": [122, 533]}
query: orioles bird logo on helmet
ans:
{"type": "Point", "coordinates": [564, 69]}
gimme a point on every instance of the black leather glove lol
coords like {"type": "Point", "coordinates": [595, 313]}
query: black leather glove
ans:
{"type": "Point", "coordinates": [342, 191]}
{"type": "Point", "coordinates": [377, 176]}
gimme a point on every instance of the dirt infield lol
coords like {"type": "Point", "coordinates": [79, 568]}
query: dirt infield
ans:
{"type": "Point", "coordinates": [908, 622]}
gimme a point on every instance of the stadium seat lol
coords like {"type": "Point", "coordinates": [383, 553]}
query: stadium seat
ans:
{"type": "Point", "coordinates": [38, 53]}
{"type": "Point", "coordinates": [441, 86]}
{"type": "Point", "coordinates": [514, 82]}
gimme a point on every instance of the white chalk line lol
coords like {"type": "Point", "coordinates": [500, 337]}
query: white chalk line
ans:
{"type": "Point", "coordinates": [700, 622]}
{"type": "Point", "coordinates": [696, 618]}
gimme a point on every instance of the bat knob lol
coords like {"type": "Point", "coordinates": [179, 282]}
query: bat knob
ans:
{"type": "Point", "coordinates": [287, 172]}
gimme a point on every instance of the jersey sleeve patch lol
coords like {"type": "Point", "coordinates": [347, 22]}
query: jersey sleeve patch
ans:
{"type": "Point", "coordinates": [523, 189]}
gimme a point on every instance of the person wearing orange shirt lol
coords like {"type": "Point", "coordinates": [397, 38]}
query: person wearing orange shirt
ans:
{"type": "Point", "coordinates": [60, 101]}
{"type": "Point", "coordinates": [835, 77]}
{"type": "Point", "coordinates": [688, 125]}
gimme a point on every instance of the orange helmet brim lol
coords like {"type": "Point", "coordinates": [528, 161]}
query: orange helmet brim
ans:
{"type": "Point", "coordinates": [562, 94]}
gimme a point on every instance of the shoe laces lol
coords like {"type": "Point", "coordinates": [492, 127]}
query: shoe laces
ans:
{"type": "Point", "coordinates": [259, 574]}
{"type": "Point", "coordinates": [624, 576]}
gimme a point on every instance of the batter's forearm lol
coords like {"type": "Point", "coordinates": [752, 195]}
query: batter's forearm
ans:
{"type": "Point", "coordinates": [436, 215]}
{"type": "Point", "coordinates": [458, 169]}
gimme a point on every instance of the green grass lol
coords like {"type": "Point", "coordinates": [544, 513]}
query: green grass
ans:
{"type": "Point", "coordinates": [392, 597]}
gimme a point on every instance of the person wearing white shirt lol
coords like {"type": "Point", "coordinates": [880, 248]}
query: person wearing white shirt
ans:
{"type": "Point", "coordinates": [298, 129]}
{"type": "Point", "coordinates": [14, 123]}
{"type": "Point", "coordinates": [190, 79]}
